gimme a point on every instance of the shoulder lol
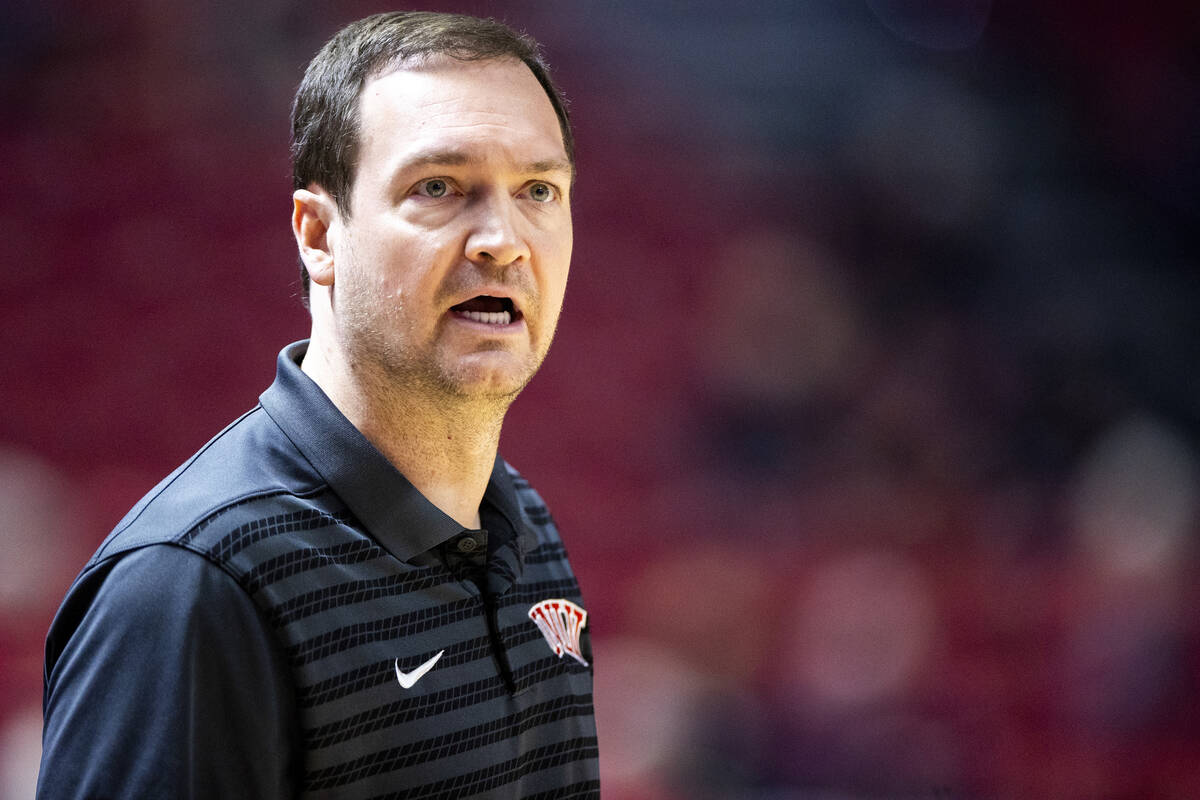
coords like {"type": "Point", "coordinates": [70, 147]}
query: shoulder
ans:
{"type": "Point", "coordinates": [542, 543]}
{"type": "Point", "coordinates": [153, 604]}
{"type": "Point", "coordinates": [246, 470]}
{"type": "Point", "coordinates": [154, 655]}
{"type": "Point", "coordinates": [533, 509]}
{"type": "Point", "coordinates": [150, 590]}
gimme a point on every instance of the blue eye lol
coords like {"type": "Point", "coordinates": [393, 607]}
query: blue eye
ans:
{"type": "Point", "coordinates": [434, 187]}
{"type": "Point", "coordinates": [541, 192]}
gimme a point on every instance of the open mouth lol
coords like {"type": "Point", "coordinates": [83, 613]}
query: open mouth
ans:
{"type": "Point", "coordinates": [488, 310]}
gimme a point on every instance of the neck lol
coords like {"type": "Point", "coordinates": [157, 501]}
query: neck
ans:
{"type": "Point", "coordinates": [444, 445]}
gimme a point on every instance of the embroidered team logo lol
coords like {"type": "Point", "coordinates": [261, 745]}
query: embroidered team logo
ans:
{"type": "Point", "coordinates": [562, 623]}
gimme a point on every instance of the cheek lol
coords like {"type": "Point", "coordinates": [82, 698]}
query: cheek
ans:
{"type": "Point", "coordinates": [556, 264]}
{"type": "Point", "coordinates": [397, 264]}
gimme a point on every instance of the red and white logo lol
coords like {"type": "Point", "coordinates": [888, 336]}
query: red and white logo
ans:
{"type": "Point", "coordinates": [562, 623]}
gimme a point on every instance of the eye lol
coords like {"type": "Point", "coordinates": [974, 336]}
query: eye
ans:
{"type": "Point", "coordinates": [541, 192]}
{"type": "Point", "coordinates": [434, 187]}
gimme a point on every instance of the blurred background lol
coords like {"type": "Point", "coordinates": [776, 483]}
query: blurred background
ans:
{"type": "Point", "coordinates": [874, 418]}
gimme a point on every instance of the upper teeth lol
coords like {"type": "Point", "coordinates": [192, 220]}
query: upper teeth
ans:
{"type": "Point", "coordinates": [489, 317]}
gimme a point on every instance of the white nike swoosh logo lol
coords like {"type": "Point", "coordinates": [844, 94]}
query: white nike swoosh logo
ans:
{"type": "Point", "coordinates": [409, 679]}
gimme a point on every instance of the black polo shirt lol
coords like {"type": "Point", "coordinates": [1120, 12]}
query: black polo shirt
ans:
{"type": "Point", "coordinates": [286, 616]}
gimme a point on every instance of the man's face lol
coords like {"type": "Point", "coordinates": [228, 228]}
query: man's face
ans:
{"type": "Point", "coordinates": [450, 270]}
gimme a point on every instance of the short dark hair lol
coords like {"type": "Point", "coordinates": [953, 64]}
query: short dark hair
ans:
{"type": "Point", "coordinates": [325, 113]}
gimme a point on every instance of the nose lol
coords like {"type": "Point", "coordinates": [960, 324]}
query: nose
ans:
{"type": "Point", "coordinates": [496, 236]}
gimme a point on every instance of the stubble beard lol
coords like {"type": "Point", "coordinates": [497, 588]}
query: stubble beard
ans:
{"type": "Point", "coordinates": [387, 359]}
{"type": "Point", "coordinates": [391, 362]}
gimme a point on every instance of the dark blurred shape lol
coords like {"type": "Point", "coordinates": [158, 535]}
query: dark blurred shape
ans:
{"type": "Point", "coordinates": [939, 25]}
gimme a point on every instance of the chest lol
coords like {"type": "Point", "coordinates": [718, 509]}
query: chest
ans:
{"type": "Point", "coordinates": [407, 675]}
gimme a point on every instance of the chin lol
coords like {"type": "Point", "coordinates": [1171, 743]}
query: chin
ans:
{"type": "Point", "coordinates": [488, 383]}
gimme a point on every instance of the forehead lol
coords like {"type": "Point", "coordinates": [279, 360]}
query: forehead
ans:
{"type": "Point", "coordinates": [495, 105]}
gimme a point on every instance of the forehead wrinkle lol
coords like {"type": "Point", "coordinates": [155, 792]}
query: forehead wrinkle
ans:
{"type": "Point", "coordinates": [455, 157]}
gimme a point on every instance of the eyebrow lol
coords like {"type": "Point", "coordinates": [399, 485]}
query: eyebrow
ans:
{"type": "Point", "coordinates": [457, 158]}
{"type": "Point", "coordinates": [550, 165]}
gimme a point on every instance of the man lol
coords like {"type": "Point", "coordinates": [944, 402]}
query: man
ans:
{"type": "Point", "coordinates": [347, 593]}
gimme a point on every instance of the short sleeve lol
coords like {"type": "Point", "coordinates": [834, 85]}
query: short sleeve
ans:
{"type": "Point", "coordinates": [163, 680]}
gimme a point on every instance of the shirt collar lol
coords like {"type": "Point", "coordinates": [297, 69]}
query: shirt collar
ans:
{"type": "Point", "coordinates": [400, 518]}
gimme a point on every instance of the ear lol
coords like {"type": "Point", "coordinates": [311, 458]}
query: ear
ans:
{"type": "Point", "coordinates": [314, 214]}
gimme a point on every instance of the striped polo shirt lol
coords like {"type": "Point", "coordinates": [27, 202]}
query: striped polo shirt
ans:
{"type": "Point", "coordinates": [286, 616]}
